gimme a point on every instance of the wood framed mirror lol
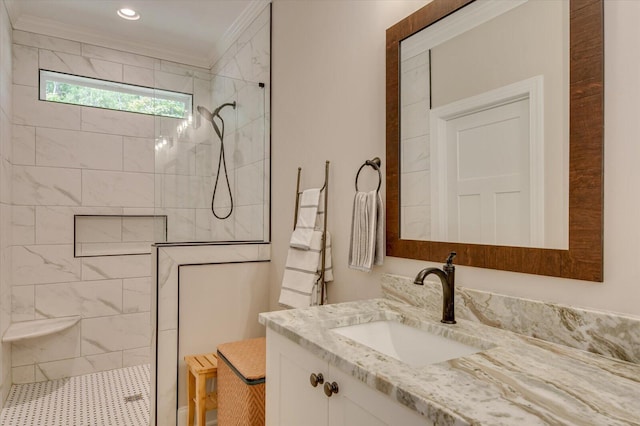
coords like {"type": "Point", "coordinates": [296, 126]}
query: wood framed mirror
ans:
{"type": "Point", "coordinates": [583, 259]}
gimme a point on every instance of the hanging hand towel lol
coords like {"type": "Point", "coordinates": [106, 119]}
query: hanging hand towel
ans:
{"type": "Point", "coordinates": [366, 246]}
{"type": "Point", "coordinates": [381, 239]}
{"type": "Point", "coordinates": [301, 274]}
{"type": "Point", "coordinates": [307, 212]}
{"type": "Point", "coordinates": [319, 223]}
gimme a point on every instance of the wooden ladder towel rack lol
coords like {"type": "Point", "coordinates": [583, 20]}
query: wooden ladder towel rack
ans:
{"type": "Point", "coordinates": [323, 252]}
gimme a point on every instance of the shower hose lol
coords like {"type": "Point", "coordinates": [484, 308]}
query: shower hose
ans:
{"type": "Point", "coordinates": [222, 164]}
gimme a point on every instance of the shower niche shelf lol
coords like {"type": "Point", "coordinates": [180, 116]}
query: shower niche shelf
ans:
{"type": "Point", "coordinates": [37, 328]}
{"type": "Point", "coordinates": [116, 235]}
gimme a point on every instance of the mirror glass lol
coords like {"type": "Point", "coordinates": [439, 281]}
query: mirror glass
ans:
{"type": "Point", "coordinates": [484, 126]}
{"type": "Point", "coordinates": [460, 85]}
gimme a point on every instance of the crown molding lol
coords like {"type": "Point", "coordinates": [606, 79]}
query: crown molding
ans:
{"type": "Point", "coordinates": [13, 10]}
{"type": "Point", "coordinates": [52, 28]}
{"type": "Point", "coordinates": [241, 23]}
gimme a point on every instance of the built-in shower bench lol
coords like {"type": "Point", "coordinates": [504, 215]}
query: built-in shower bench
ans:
{"type": "Point", "coordinates": [36, 328]}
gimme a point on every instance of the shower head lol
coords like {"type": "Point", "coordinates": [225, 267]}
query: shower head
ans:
{"type": "Point", "coordinates": [205, 113]}
{"type": "Point", "coordinates": [208, 115]}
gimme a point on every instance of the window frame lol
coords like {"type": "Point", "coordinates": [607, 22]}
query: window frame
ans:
{"type": "Point", "coordinates": [113, 86]}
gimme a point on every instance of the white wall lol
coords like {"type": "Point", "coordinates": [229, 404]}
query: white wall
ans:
{"type": "Point", "coordinates": [219, 304]}
{"type": "Point", "coordinates": [5, 196]}
{"type": "Point", "coordinates": [329, 103]}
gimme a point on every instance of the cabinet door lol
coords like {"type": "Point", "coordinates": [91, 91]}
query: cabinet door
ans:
{"type": "Point", "coordinates": [292, 401]}
{"type": "Point", "coordinates": [356, 404]}
{"type": "Point", "coordinates": [290, 398]}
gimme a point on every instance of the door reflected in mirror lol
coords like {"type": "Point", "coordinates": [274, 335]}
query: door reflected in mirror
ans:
{"type": "Point", "coordinates": [484, 126]}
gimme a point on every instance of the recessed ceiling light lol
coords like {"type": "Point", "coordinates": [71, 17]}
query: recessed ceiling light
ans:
{"type": "Point", "coordinates": [129, 14]}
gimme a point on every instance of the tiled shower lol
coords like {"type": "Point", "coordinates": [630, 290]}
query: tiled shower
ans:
{"type": "Point", "coordinates": [61, 162]}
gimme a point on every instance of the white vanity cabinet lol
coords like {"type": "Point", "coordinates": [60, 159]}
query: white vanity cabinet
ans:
{"type": "Point", "coordinates": [291, 400]}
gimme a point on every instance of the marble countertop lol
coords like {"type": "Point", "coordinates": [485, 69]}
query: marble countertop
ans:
{"type": "Point", "coordinates": [515, 379]}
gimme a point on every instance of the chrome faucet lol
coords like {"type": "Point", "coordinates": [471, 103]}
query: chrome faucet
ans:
{"type": "Point", "coordinates": [447, 276]}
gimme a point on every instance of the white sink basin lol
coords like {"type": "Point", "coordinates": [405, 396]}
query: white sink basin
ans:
{"type": "Point", "coordinates": [408, 344]}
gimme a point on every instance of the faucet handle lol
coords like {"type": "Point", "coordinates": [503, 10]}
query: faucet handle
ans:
{"type": "Point", "coordinates": [449, 260]}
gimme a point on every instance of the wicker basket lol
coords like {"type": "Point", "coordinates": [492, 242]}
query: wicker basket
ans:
{"type": "Point", "coordinates": [241, 377]}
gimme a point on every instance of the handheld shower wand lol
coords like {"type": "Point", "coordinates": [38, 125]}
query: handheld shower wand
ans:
{"type": "Point", "coordinates": [222, 163]}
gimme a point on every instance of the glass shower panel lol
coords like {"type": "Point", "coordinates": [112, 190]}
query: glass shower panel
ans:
{"type": "Point", "coordinates": [191, 167]}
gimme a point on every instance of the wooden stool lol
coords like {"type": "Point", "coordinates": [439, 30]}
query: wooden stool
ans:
{"type": "Point", "coordinates": [199, 369]}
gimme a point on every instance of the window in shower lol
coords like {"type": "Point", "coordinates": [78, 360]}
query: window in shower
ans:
{"type": "Point", "coordinates": [73, 89]}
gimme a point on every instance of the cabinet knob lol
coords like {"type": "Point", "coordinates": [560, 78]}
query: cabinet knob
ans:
{"type": "Point", "coordinates": [330, 388]}
{"type": "Point", "coordinates": [316, 379]}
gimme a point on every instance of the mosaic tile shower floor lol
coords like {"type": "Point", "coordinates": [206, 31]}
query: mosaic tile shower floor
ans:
{"type": "Point", "coordinates": [110, 398]}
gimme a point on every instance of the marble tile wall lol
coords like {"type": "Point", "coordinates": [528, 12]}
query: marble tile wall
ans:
{"type": "Point", "coordinates": [186, 169]}
{"type": "Point", "coordinates": [236, 76]}
{"type": "Point", "coordinates": [70, 159]}
{"type": "Point", "coordinates": [415, 208]}
{"type": "Point", "coordinates": [6, 130]}
{"type": "Point", "coordinates": [78, 160]}
{"type": "Point", "coordinates": [186, 166]}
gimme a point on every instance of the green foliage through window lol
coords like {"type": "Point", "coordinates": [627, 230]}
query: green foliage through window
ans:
{"type": "Point", "coordinates": [56, 87]}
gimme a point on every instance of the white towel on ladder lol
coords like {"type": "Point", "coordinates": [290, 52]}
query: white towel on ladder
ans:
{"type": "Point", "coordinates": [307, 213]}
{"type": "Point", "coordinates": [301, 274]}
{"type": "Point", "coordinates": [367, 243]}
